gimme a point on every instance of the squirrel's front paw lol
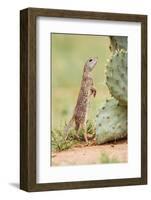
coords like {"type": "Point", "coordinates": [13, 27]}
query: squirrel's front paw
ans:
{"type": "Point", "coordinates": [93, 91]}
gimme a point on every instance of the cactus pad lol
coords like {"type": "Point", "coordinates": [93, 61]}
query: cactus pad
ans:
{"type": "Point", "coordinates": [111, 122]}
{"type": "Point", "coordinates": [116, 76]}
{"type": "Point", "coordinates": [118, 42]}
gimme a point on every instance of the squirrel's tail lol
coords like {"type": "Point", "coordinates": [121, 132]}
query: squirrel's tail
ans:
{"type": "Point", "coordinates": [68, 126]}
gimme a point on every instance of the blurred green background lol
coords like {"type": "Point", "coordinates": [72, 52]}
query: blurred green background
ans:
{"type": "Point", "coordinates": [69, 53]}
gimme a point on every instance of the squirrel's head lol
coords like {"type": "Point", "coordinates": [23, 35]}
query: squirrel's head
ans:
{"type": "Point", "coordinates": [90, 63]}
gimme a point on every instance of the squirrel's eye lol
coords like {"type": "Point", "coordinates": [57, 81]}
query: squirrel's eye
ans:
{"type": "Point", "coordinates": [90, 60]}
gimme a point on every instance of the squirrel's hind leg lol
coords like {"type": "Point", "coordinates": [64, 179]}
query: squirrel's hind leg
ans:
{"type": "Point", "coordinates": [83, 127]}
{"type": "Point", "coordinates": [67, 127]}
{"type": "Point", "coordinates": [77, 126]}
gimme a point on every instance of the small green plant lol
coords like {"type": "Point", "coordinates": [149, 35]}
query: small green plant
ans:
{"type": "Point", "coordinates": [104, 158]}
{"type": "Point", "coordinates": [60, 142]}
{"type": "Point", "coordinates": [90, 129]}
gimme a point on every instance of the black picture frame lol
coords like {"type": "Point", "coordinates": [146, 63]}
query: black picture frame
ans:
{"type": "Point", "coordinates": [28, 98]}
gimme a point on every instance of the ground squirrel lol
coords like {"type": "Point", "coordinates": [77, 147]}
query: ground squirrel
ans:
{"type": "Point", "coordinates": [81, 109]}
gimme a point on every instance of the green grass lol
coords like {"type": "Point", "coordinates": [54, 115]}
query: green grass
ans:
{"type": "Point", "coordinates": [60, 142]}
{"type": "Point", "coordinates": [69, 53]}
{"type": "Point", "coordinates": [104, 158]}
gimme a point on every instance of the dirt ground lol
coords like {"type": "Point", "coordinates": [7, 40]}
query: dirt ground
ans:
{"type": "Point", "coordinates": [81, 154]}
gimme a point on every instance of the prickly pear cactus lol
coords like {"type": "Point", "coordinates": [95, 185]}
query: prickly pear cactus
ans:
{"type": "Point", "coordinates": [118, 42]}
{"type": "Point", "coordinates": [116, 76]}
{"type": "Point", "coordinates": [111, 122]}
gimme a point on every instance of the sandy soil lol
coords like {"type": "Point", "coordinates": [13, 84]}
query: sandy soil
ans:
{"type": "Point", "coordinates": [81, 154]}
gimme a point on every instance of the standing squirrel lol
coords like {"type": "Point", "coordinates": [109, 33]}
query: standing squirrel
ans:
{"type": "Point", "coordinates": [81, 109]}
